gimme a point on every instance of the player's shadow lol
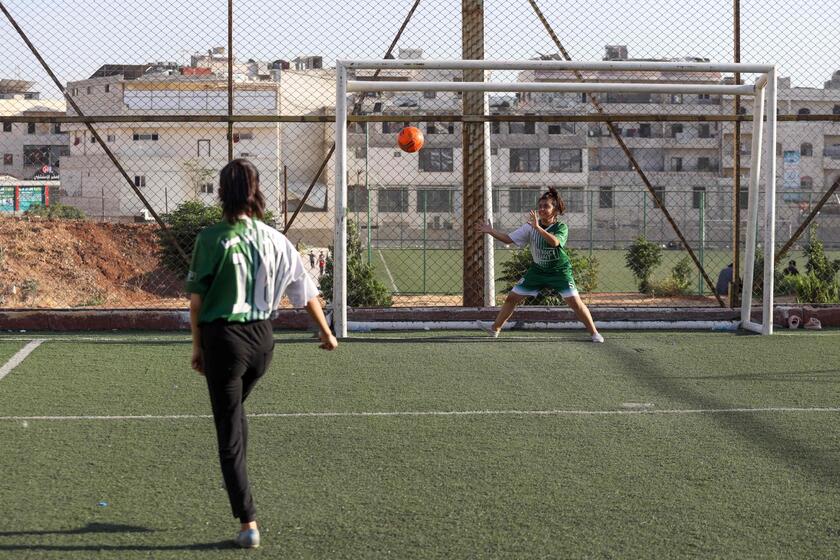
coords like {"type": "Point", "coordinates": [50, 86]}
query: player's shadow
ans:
{"type": "Point", "coordinates": [98, 529]}
{"type": "Point", "coordinates": [820, 462]}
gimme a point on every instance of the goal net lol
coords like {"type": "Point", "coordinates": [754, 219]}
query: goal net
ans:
{"type": "Point", "coordinates": [447, 212]}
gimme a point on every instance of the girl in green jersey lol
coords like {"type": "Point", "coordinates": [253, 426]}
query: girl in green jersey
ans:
{"type": "Point", "coordinates": [551, 267]}
{"type": "Point", "coordinates": [240, 269]}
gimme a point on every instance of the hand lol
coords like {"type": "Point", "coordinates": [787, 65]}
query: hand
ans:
{"type": "Point", "coordinates": [197, 360]}
{"type": "Point", "coordinates": [328, 341]}
{"type": "Point", "coordinates": [484, 227]}
{"type": "Point", "coordinates": [534, 219]}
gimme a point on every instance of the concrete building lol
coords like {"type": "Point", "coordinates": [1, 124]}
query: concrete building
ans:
{"type": "Point", "coordinates": [172, 162]}
{"type": "Point", "coordinates": [29, 148]}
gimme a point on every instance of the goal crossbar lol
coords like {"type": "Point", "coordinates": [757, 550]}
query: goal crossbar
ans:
{"type": "Point", "coordinates": [764, 93]}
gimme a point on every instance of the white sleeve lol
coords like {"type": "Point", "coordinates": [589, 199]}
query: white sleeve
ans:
{"type": "Point", "coordinates": [522, 235]}
{"type": "Point", "coordinates": [298, 284]}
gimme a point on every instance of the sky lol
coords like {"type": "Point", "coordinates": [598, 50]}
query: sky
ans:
{"type": "Point", "coordinates": [78, 36]}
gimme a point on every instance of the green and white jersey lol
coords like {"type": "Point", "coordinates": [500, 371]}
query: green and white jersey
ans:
{"type": "Point", "coordinates": [242, 270]}
{"type": "Point", "coordinates": [545, 256]}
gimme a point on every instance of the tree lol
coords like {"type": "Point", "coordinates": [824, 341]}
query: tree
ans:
{"type": "Point", "coordinates": [641, 258]}
{"type": "Point", "coordinates": [363, 289]}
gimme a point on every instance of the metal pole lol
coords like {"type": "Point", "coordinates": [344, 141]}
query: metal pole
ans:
{"type": "Point", "coordinates": [340, 244]}
{"type": "Point", "coordinates": [736, 166]}
{"type": "Point", "coordinates": [770, 204]}
{"type": "Point", "coordinates": [702, 223]}
{"type": "Point", "coordinates": [230, 79]}
{"type": "Point", "coordinates": [367, 190]}
{"type": "Point", "coordinates": [591, 221]}
{"type": "Point", "coordinates": [752, 205]}
{"type": "Point", "coordinates": [425, 225]}
{"type": "Point", "coordinates": [285, 197]}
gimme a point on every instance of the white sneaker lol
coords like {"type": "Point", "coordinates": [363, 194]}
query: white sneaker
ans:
{"type": "Point", "coordinates": [249, 538]}
{"type": "Point", "coordinates": [597, 337]}
{"type": "Point", "coordinates": [481, 325]}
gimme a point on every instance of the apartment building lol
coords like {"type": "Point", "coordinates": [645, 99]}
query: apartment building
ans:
{"type": "Point", "coordinates": [172, 161]}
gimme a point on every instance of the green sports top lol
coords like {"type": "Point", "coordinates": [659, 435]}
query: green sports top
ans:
{"type": "Point", "coordinates": [241, 270]}
{"type": "Point", "coordinates": [545, 256]}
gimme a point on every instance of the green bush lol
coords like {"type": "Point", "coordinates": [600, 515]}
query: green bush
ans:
{"type": "Point", "coordinates": [820, 283]}
{"type": "Point", "coordinates": [678, 283]}
{"type": "Point", "coordinates": [184, 224]}
{"type": "Point", "coordinates": [363, 289]}
{"type": "Point", "coordinates": [55, 211]}
{"type": "Point", "coordinates": [642, 258]}
{"type": "Point", "coordinates": [584, 269]}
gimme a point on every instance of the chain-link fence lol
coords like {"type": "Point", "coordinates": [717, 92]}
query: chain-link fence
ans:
{"type": "Point", "coordinates": [158, 96]}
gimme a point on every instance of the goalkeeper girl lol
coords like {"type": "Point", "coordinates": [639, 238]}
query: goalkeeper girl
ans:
{"type": "Point", "coordinates": [551, 267]}
{"type": "Point", "coordinates": [240, 269]}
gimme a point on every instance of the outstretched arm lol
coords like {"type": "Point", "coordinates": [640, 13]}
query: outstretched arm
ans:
{"type": "Point", "coordinates": [500, 235]}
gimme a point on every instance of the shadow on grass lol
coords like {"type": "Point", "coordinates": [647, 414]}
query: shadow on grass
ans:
{"type": "Point", "coordinates": [89, 528]}
{"type": "Point", "coordinates": [821, 463]}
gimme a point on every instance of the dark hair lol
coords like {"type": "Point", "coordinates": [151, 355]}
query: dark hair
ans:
{"type": "Point", "coordinates": [559, 205]}
{"type": "Point", "coordinates": [239, 190]}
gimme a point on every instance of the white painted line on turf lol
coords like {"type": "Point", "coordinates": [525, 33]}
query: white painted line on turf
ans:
{"type": "Point", "coordinates": [388, 272]}
{"type": "Point", "coordinates": [21, 355]}
{"type": "Point", "coordinates": [637, 412]}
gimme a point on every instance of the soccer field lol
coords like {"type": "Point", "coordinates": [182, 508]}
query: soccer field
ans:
{"type": "Point", "coordinates": [432, 445]}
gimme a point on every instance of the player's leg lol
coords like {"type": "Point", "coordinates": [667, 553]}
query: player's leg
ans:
{"type": "Point", "coordinates": [564, 282]}
{"type": "Point", "coordinates": [511, 301]}
{"type": "Point", "coordinates": [226, 361]}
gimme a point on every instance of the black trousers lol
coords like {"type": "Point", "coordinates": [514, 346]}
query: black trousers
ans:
{"type": "Point", "coordinates": [235, 356]}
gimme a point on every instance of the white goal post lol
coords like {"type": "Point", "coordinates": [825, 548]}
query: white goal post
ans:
{"type": "Point", "coordinates": [764, 103]}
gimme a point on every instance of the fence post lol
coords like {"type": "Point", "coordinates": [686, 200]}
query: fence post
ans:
{"type": "Point", "coordinates": [367, 190]}
{"type": "Point", "coordinates": [702, 224]}
{"type": "Point", "coordinates": [425, 225]}
{"type": "Point", "coordinates": [644, 214]}
{"type": "Point", "coordinates": [591, 221]}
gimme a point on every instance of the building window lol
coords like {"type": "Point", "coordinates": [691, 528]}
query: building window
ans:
{"type": "Point", "coordinates": [573, 199]}
{"type": "Point", "coordinates": [660, 194]}
{"type": "Point", "coordinates": [676, 129]}
{"type": "Point", "coordinates": [8, 159]}
{"type": "Point", "coordinates": [605, 197]}
{"type": "Point", "coordinates": [704, 164]}
{"type": "Point", "coordinates": [440, 128]}
{"type": "Point", "coordinates": [392, 200]}
{"type": "Point", "coordinates": [92, 139]}
{"type": "Point", "coordinates": [140, 181]}
{"type": "Point", "coordinates": [522, 127]}
{"type": "Point", "coordinates": [89, 90]}
{"type": "Point", "coordinates": [835, 110]}
{"type": "Point", "coordinates": [561, 128]}
{"type": "Point", "coordinates": [107, 88]}
{"type": "Point", "coordinates": [496, 201]}
{"type": "Point", "coordinates": [389, 127]}
{"type": "Point", "coordinates": [30, 128]}
{"type": "Point", "coordinates": [357, 198]}
{"type": "Point", "coordinates": [435, 200]}
{"type": "Point", "coordinates": [778, 149]}
{"type": "Point", "coordinates": [806, 150]}
{"type": "Point", "coordinates": [645, 130]}
{"type": "Point", "coordinates": [7, 126]}
{"type": "Point", "coordinates": [696, 196]}
{"type": "Point", "coordinates": [436, 160]}
{"type": "Point", "coordinates": [74, 91]}
{"type": "Point", "coordinates": [56, 128]}
{"type": "Point", "coordinates": [676, 98]}
{"type": "Point", "coordinates": [806, 183]}
{"type": "Point", "coordinates": [524, 160]}
{"type": "Point", "coordinates": [803, 111]}
{"type": "Point", "coordinates": [429, 94]}
{"type": "Point", "coordinates": [144, 136]}
{"type": "Point", "coordinates": [111, 138]}
{"type": "Point", "coordinates": [207, 188]}
{"type": "Point", "coordinates": [676, 164]}
{"type": "Point", "coordinates": [523, 199]}
{"type": "Point", "coordinates": [495, 127]}
{"type": "Point", "coordinates": [704, 130]}
{"type": "Point", "coordinates": [203, 148]}
{"type": "Point", "coordinates": [562, 160]}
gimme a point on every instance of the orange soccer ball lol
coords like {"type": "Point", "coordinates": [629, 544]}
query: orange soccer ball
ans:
{"type": "Point", "coordinates": [410, 139]}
